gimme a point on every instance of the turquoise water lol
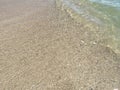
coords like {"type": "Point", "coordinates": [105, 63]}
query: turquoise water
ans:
{"type": "Point", "coordinates": [109, 9]}
{"type": "Point", "coordinates": [105, 13]}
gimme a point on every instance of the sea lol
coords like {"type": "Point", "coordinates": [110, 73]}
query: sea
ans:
{"type": "Point", "coordinates": [102, 13]}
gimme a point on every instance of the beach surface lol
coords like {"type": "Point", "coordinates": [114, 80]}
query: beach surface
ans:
{"type": "Point", "coordinates": [43, 48]}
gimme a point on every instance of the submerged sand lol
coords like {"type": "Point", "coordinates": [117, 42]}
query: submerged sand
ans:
{"type": "Point", "coordinates": [42, 48]}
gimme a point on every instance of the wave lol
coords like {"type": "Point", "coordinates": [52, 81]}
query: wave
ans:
{"type": "Point", "coordinates": [101, 13]}
{"type": "Point", "coordinates": [115, 3]}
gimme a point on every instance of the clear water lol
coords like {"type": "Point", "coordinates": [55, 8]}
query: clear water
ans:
{"type": "Point", "coordinates": [112, 3]}
{"type": "Point", "coordinates": [102, 12]}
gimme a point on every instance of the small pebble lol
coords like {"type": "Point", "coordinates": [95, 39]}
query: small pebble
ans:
{"type": "Point", "coordinates": [82, 41]}
{"type": "Point", "coordinates": [94, 43]}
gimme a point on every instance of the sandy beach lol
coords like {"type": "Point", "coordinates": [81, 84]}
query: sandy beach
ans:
{"type": "Point", "coordinates": [42, 48]}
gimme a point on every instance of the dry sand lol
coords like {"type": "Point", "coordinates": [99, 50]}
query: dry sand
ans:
{"type": "Point", "coordinates": [43, 49]}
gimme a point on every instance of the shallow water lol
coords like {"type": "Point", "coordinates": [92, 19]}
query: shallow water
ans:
{"type": "Point", "coordinates": [104, 13]}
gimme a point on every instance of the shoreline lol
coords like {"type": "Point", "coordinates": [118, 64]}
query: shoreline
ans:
{"type": "Point", "coordinates": [48, 50]}
{"type": "Point", "coordinates": [107, 33]}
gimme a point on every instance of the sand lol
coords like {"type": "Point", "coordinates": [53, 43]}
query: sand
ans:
{"type": "Point", "coordinates": [42, 48]}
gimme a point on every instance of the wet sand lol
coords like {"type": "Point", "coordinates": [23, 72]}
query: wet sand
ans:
{"type": "Point", "coordinates": [42, 48]}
